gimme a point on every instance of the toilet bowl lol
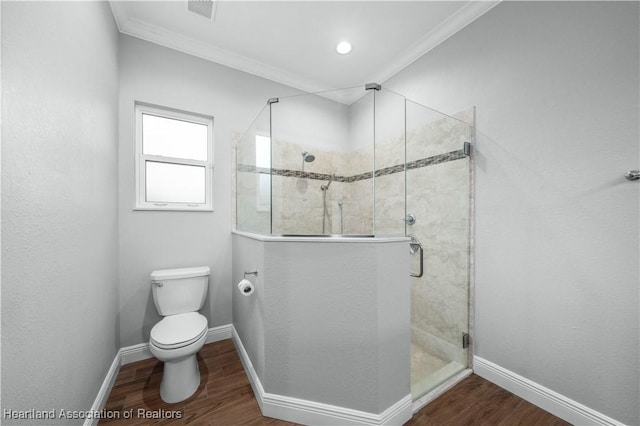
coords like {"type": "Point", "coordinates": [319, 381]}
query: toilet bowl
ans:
{"type": "Point", "coordinates": [178, 295]}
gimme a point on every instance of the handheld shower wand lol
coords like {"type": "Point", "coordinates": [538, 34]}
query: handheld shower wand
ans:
{"type": "Point", "coordinates": [325, 187]}
{"type": "Point", "coordinates": [325, 212]}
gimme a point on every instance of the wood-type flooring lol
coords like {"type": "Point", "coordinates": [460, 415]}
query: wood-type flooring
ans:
{"type": "Point", "coordinates": [224, 397]}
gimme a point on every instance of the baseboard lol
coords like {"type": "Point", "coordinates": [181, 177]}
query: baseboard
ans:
{"type": "Point", "coordinates": [103, 393]}
{"type": "Point", "coordinates": [254, 380]}
{"type": "Point", "coordinates": [140, 352]}
{"type": "Point", "coordinates": [222, 332]}
{"type": "Point", "coordinates": [558, 405]}
{"type": "Point", "coordinates": [310, 412]}
{"type": "Point", "coordinates": [135, 353]}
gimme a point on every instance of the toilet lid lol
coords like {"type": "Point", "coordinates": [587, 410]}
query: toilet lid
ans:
{"type": "Point", "coordinates": [179, 330]}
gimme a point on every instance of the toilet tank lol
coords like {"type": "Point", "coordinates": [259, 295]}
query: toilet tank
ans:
{"type": "Point", "coordinates": [178, 291]}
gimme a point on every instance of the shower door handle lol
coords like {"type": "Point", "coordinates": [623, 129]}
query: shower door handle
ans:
{"type": "Point", "coordinates": [421, 254]}
{"type": "Point", "coordinates": [415, 246]}
{"type": "Point", "coordinates": [632, 175]}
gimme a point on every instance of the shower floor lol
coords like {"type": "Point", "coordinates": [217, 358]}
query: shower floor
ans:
{"type": "Point", "coordinates": [428, 371]}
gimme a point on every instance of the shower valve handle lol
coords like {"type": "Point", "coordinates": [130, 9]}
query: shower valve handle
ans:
{"type": "Point", "coordinates": [410, 219]}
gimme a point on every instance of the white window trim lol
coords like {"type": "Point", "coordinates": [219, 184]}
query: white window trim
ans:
{"type": "Point", "coordinates": [140, 201]}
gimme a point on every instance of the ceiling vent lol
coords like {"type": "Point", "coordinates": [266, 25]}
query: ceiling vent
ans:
{"type": "Point", "coordinates": [204, 8]}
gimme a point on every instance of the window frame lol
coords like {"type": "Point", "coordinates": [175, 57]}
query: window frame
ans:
{"type": "Point", "coordinates": [140, 202]}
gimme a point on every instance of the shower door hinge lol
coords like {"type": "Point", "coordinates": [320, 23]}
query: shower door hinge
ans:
{"type": "Point", "coordinates": [465, 340]}
{"type": "Point", "coordinates": [466, 149]}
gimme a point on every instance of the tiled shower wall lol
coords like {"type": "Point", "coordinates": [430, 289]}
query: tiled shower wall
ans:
{"type": "Point", "coordinates": [297, 197]}
{"type": "Point", "coordinates": [436, 189]}
{"type": "Point", "coordinates": [438, 195]}
{"type": "Point", "coordinates": [440, 297]}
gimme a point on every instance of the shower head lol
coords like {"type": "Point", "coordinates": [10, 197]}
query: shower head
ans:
{"type": "Point", "coordinates": [308, 157]}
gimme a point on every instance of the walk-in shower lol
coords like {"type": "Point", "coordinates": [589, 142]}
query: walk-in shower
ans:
{"type": "Point", "coordinates": [385, 166]}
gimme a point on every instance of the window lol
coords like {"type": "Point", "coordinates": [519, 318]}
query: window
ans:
{"type": "Point", "coordinates": [174, 159]}
{"type": "Point", "coordinates": [263, 164]}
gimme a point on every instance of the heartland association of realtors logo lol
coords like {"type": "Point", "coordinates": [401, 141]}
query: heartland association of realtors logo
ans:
{"type": "Point", "coordinates": [53, 413]}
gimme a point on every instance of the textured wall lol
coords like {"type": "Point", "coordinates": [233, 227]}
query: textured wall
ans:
{"type": "Point", "coordinates": [59, 204]}
{"type": "Point", "coordinates": [328, 319]}
{"type": "Point", "coordinates": [248, 312]}
{"type": "Point", "coordinates": [155, 239]}
{"type": "Point", "coordinates": [557, 258]}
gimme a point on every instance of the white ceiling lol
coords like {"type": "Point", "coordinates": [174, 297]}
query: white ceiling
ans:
{"type": "Point", "coordinates": [293, 42]}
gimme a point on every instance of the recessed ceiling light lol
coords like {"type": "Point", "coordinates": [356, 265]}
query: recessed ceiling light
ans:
{"type": "Point", "coordinates": [343, 47]}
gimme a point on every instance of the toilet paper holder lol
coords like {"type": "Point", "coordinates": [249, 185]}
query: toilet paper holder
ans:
{"type": "Point", "coordinates": [254, 273]}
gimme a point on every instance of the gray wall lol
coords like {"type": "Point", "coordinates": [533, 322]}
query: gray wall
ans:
{"type": "Point", "coordinates": [329, 319]}
{"type": "Point", "coordinates": [337, 322]}
{"type": "Point", "coordinates": [155, 239]}
{"type": "Point", "coordinates": [556, 86]}
{"type": "Point", "coordinates": [557, 257]}
{"type": "Point", "coordinates": [248, 312]}
{"type": "Point", "coordinates": [59, 198]}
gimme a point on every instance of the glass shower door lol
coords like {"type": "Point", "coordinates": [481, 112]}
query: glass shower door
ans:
{"type": "Point", "coordinates": [437, 217]}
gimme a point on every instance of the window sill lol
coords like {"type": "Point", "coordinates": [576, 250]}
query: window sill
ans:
{"type": "Point", "coordinates": [173, 209]}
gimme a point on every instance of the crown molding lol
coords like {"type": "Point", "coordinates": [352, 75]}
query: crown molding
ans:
{"type": "Point", "coordinates": [141, 29]}
{"type": "Point", "coordinates": [456, 22]}
{"type": "Point", "coordinates": [155, 34]}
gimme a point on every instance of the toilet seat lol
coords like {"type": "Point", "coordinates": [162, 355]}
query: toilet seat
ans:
{"type": "Point", "coordinates": [177, 331]}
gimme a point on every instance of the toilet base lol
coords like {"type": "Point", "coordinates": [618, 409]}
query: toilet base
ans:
{"type": "Point", "coordinates": [180, 379]}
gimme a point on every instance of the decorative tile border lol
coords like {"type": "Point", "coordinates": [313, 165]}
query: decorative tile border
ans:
{"type": "Point", "coordinates": [416, 164]}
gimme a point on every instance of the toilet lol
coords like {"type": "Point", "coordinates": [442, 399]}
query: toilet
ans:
{"type": "Point", "coordinates": [178, 295]}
